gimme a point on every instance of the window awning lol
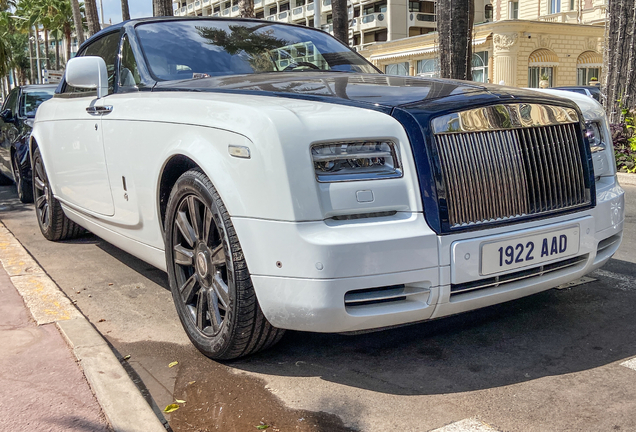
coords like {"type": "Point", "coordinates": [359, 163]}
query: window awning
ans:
{"type": "Point", "coordinates": [422, 51]}
{"type": "Point", "coordinates": [544, 58]}
{"type": "Point", "coordinates": [590, 59]}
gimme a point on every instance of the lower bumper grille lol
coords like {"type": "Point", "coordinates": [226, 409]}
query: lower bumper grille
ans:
{"type": "Point", "coordinates": [388, 294]}
{"type": "Point", "coordinates": [500, 281]}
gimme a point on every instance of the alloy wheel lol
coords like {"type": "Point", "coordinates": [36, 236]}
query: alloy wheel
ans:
{"type": "Point", "coordinates": [42, 194]}
{"type": "Point", "coordinates": [200, 265]}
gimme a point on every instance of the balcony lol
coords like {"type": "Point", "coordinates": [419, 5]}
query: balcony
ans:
{"type": "Point", "coordinates": [206, 2]}
{"type": "Point", "coordinates": [298, 12]}
{"type": "Point", "coordinates": [176, 12]}
{"type": "Point", "coordinates": [197, 5]}
{"type": "Point", "coordinates": [215, 14]}
{"type": "Point", "coordinates": [225, 12]}
{"type": "Point", "coordinates": [562, 17]}
{"type": "Point", "coordinates": [310, 7]}
{"type": "Point", "coordinates": [326, 6]}
{"type": "Point", "coordinates": [271, 18]}
{"type": "Point", "coordinates": [257, 2]}
{"type": "Point", "coordinates": [283, 17]}
{"type": "Point", "coordinates": [191, 7]}
{"type": "Point", "coordinates": [327, 28]}
{"type": "Point", "coordinates": [422, 20]}
{"type": "Point", "coordinates": [374, 20]}
{"type": "Point", "coordinates": [183, 11]}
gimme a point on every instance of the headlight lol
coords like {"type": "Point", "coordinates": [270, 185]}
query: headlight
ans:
{"type": "Point", "coordinates": [358, 160]}
{"type": "Point", "coordinates": [594, 136]}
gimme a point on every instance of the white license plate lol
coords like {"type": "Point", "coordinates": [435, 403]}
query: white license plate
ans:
{"type": "Point", "coordinates": [528, 251]}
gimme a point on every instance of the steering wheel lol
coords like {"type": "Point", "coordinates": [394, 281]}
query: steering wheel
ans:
{"type": "Point", "coordinates": [293, 66]}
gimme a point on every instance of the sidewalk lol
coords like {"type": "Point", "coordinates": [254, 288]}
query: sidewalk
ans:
{"type": "Point", "coordinates": [42, 388]}
{"type": "Point", "coordinates": [57, 373]}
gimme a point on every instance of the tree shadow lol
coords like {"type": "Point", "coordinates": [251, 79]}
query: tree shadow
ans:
{"type": "Point", "coordinates": [552, 333]}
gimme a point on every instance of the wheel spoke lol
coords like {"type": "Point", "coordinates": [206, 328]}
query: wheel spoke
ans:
{"type": "Point", "coordinates": [217, 257]}
{"type": "Point", "coordinates": [39, 172]}
{"type": "Point", "coordinates": [195, 215]}
{"type": "Point", "coordinates": [207, 226]}
{"type": "Point", "coordinates": [183, 256]}
{"type": "Point", "coordinates": [40, 201]}
{"type": "Point", "coordinates": [186, 229]}
{"type": "Point", "coordinates": [221, 290]}
{"type": "Point", "coordinates": [39, 184]}
{"type": "Point", "coordinates": [215, 313]}
{"type": "Point", "coordinates": [202, 306]}
{"type": "Point", "coordinates": [188, 288]}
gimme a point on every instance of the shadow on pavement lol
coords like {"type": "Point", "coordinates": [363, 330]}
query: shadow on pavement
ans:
{"type": "Point", "coordinates": [552, 333]}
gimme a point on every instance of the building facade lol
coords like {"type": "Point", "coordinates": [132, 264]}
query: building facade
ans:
{"type": "Point", "coordinates": [517, 43]}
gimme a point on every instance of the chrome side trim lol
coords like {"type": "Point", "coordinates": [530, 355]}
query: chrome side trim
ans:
{"type": "Point", "coordinates": [503, 117]}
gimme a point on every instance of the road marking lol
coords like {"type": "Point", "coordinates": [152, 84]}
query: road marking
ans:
{"type": "Point", "coordinates": [46, 302]}
{"type": "Point", "coordinates": [628, 283]}
{"type": "Point", "coordinates": [630, 364]}
{"type": "Point", "coordinates": [466, 425]}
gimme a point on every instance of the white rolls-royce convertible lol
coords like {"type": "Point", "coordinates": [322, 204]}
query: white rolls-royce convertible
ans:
{"type": "Point", "coordinates": [283, 182]}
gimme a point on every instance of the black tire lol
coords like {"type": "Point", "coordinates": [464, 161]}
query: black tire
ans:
{"type": "Point", "coordinates": [209, 279]}
{"type": "Point", "coordinates": [4, 180]}
{"type": "Point", "coordinates": [23, 183]}
{"type": "Point", "coordinates": [54, 224]}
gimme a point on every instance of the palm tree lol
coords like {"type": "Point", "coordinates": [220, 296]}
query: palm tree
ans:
{"type": "Point", "coordinates": [455, 27]}
{"type": "Point", "coordinates": [340, 20]}
{"type": "Point", "coordinates": [79, 24]}
{"type": "Point", "coordinates": [92, 18]}
{"type": "Point", "coordinates": [162, 7]}
{"type": "Point", "coordinates": [63, 23]}
{"type": "Point", "coordinates": [246, 8]}
{"type": "Point", "coordinates": [125, 10]}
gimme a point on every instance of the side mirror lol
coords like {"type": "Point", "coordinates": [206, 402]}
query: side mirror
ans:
{"type": "Point", "coordinates": [88, 72]}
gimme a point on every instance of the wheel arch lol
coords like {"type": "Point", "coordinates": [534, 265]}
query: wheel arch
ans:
{"type": "Point", "coordinates": [172, 169]}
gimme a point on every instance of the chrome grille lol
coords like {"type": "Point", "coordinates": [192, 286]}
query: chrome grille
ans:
{"type": "Point", "coordinates": [495, 175]}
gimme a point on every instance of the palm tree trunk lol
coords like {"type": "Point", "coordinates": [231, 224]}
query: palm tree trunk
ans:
{"type": "Point", "coordinates": [67, 35]}
{"type": "Point", "coordinates": [31, 63]}
{"type": "Point", "coordinates": [57, 50]}
{"type": "Point", "coordinates": [46, 49]}
{"type": "Point", "coordinates": [162, 7]}
{"type": "Point", "coordinates": [455, 27]}
{"type": "Point", "coordinates": [246, 8]}
{"type": "Point", "coordinates": [38, 51]}
{"type": "Point", "coordinates": [340, 20]}
{"type": "Point", "coordinates": [92, 18]}
{"type": "Point", "coordinates": [79, 27]}
{"type": "Point", "coordinates": [619, 59]}
{"type": "Point", "coordinates": [125, 11]}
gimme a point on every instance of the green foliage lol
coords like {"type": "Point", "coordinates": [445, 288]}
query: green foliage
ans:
{"type": "Point", "coordinates": [624, 140]}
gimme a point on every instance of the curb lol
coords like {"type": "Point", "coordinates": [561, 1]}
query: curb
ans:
{"type": "Point", "coordinates": [626, 179]}
{"type": "Point", "coordinates": [123, 405]}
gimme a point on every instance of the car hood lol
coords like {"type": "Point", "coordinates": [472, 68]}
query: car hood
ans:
{"type": "Point", "coordinates": [368, 89]}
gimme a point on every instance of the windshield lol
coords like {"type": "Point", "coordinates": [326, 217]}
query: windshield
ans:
{"type": "Point", "coordinates": [177, 50]}
{"type": "Point", "coordinates": [31, 100]}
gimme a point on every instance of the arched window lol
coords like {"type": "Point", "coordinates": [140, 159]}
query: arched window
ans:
{"type": "Point", "coordinates": [397, 69]}
{"type": "Point", "coordinates": [428, 68]}
{"type": "Point", "coordinates": [480, 66]}
{"type": "Point", "coordinates": [588, 66]}
{"type": "Point", "coordinates": [542, 63]}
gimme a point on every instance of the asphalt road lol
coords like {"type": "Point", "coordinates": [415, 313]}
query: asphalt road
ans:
{"type": "Point", "coordinates": [549, 362]}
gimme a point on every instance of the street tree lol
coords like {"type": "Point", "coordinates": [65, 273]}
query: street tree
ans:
{"type": "Point", "coordinates": [620, 58]}
{"type": "Point", "coordinates": [340, 18]}
{"type": "Point", "coordinates": [77, 19]}
{"type": "Point", "coordinates": [162, 7]}
{"type": "Point", "coordinates": [455, 29]}
{"type": "Point", "coordinates": [92, 18]}
{"type": "Point", "coordinates": [125, 10]}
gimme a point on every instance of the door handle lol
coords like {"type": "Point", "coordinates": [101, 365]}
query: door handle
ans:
{"type": "Point", "coordinates": [103, 109]}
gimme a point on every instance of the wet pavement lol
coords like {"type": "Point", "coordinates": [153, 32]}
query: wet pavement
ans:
{"type": "Point", "coordinates": [551, 361]}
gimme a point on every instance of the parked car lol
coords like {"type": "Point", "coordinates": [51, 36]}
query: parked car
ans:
{"type": "Point", "coordinates": [16, 122]}
{"type": "Point", "coordinates": [283, 182]}
{"type": "Point", "coordinates": [590, 91]}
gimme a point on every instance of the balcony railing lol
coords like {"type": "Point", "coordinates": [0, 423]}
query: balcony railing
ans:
{"type": "Point", "coordinates": [257, 2]}
{"type": "Point", "coordinates": [298, 10]}
{"type": "Point", "coordinates": [271, 18]}
{"type": "Point", "coordinates": [176, 12]}
{"type": "Point", "coordinates": [424, 17]}
{"type": "Point", "coordinates": [327, 27]}
{"type": "Point", "coordinates": [326, 2]}
{"type": "Point", "coordinates": [226, 12]}
{"type": "Point", "coordinates": [215, 14]}
{"type": "Point", "coordinates": [197, 4]}
{"type": "Point", "coordinates": [191, 6]}
{"type": "Point", "coordinates": [183, 10]}
{"type": "Point", "coordinates": [310, 7]}
{"type": "Point", "coordinates": [206, 2]}
{"type": "Point", "coordinates": [235, 8]}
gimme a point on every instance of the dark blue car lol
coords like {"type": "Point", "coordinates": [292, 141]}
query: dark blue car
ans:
{"type": "Point", "coordinates": [16, 122]}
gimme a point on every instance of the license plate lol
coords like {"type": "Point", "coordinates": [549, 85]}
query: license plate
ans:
{"type": "Point", "coordinates": [528, 251]}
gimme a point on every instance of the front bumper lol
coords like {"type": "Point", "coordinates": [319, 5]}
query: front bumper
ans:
{"type": "Point", "coordinates": [333, 276]}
